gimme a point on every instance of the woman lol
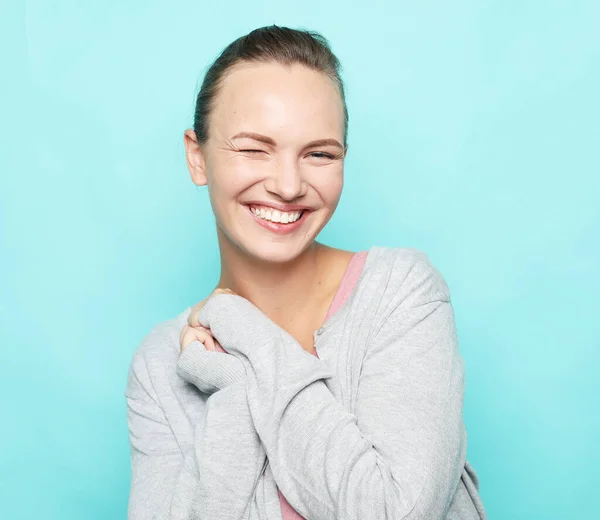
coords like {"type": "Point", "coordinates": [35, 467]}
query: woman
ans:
{"type": "Point", "coordinates": [314, 382]}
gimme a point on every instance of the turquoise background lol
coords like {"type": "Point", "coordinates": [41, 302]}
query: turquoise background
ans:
{"type": "Point", "coordinates": [474, 135]}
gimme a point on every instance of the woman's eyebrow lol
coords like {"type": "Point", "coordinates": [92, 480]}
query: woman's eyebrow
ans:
{"type": "Point", "coordinates": [271, 142]}
{"type": "Point", "coordinates": [325, 142]}
{"type": "Point", "coordinates": [257, 137]}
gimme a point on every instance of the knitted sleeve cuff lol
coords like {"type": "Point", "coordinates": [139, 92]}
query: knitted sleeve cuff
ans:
{"type": "Point", "coordinates": [209, 371]}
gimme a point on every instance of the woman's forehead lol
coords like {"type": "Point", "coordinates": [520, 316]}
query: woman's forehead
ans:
{"type": "Point", "coordinates": [274, 97]}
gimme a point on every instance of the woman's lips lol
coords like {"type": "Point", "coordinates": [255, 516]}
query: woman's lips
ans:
{"type": "Point", "coordinates": [278, 227]}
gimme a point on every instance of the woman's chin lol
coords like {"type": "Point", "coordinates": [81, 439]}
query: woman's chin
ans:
{"type": "Point", "coordinates": [276, 252]}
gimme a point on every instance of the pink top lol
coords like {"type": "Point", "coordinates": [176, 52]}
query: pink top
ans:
{"type": "Point", "coordinates": [348, 282]}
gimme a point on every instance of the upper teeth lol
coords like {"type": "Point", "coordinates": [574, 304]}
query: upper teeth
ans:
{"type": "Point", "coordinates": [274, 215]}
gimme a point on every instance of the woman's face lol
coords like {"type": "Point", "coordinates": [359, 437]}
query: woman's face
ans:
{"type": "Point", "coordinates": [275, 139]}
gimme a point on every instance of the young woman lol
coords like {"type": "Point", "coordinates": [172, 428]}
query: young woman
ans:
{"type": "Point", "coordinates": [313, 382]}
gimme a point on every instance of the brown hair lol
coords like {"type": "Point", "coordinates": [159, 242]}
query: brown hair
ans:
{"type": "Point", "coordinates": [272, 43]}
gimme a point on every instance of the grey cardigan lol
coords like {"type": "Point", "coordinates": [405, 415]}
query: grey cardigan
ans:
{"type": "Point", "coordinates": [372, 428]}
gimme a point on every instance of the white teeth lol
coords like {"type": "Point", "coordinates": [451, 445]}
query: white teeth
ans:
{"type": "Point", "coordinates": [274, 215]}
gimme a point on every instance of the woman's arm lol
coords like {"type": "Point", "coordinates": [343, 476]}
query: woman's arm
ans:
{"type": "Point", "coordinates": [214, 478]}
{"type": "Point", "coordinates": [400, 456]}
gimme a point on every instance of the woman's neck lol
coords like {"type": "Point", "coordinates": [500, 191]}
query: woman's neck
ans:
{"type": "Point", "coordinates": [284, 292]}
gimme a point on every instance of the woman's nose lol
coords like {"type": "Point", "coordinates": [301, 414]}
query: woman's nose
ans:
{"type": "Point", "coordinates": [287, 182]}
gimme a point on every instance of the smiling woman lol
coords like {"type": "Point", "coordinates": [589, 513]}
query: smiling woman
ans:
{"type": "Point", "coordinates": [232, 411]}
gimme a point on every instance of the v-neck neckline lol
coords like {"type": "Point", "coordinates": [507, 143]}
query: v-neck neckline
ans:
{"type": "Point", "coordinates": [337, 315]}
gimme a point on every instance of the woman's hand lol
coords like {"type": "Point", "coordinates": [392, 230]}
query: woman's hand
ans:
{"type": "Point", "coordinates": [201, 334]}
{"type": "Point", "coordinates": [193, 331]}
{"type": "Point", "coordinates": [237, 323]}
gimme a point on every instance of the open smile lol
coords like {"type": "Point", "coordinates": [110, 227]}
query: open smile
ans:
{"type": "Point", "coordinates": [263, 217]}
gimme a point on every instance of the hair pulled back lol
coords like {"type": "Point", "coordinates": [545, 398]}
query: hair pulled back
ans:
{"type": "Point", "coordinates": [268, 44]}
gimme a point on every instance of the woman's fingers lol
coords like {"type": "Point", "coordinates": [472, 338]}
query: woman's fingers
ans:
{"type": "Point", "coordinates": [219, 348]}
{"type": "Point", "coordinates": [193, 331]}
{"type": "Point", "coordinates": [190, 334]}
{"type": "Point", "coordinates": [193, 316]}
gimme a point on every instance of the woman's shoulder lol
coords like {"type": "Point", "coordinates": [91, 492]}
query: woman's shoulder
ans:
{"type": "Point", "coordinates": [403, 273]}
{"type": "Point", "coordinates": [400, 256]}
{"type": "Point", "coordinates": [159, 347]}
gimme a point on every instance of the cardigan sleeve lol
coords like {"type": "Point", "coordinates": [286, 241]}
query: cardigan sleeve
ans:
{"type": "Point", "coordinates": [214, 478]}
{"type": "Point", "coordinates": [401, 454]}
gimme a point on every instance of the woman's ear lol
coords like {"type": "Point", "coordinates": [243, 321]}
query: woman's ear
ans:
{"type": "Point", "coordinates": [196, 161]}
